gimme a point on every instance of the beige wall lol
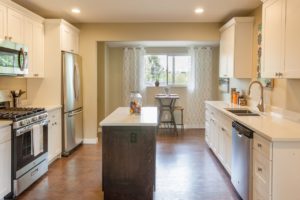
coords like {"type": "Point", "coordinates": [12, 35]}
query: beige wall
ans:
{"type": "Point", "coordinates": [90, 34]}
{"type": "Point", "coordinates": [12, 83]}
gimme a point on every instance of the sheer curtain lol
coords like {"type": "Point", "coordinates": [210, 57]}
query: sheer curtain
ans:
{"type": "Point", "coordinates": [133, 73]}
{"type": "Point", "coordinates": [200, 85]}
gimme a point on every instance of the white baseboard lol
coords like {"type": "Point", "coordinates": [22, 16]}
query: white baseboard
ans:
{"type": "Point", "coordinates": [90, 141]}
{"type": "Point", "coordinates": [193, 127]}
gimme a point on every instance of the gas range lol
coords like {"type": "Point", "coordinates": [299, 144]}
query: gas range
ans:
{"type": "Point", "coordinates": [22, 117]}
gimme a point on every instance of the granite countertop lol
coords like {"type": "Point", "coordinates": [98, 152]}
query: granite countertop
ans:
{"type": "Point", "coordinates": [271, 127]}
{"type": "Point", "coordinates": [122, 117]}
{"type": "Point", "coordinates": [4, 123]}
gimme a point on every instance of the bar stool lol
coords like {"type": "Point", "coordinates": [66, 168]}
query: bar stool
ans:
{"type": "Point", "coordinates": [181, 124]}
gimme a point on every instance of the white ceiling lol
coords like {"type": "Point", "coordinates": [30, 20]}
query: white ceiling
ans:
{"type": "Point", "coordinates": [95, 11]}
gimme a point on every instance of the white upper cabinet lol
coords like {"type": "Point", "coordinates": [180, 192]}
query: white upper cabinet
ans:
{"type": "Point", "coordinates": [15, 23]}
{"type": "Point", "coordinates": [236, 48]}
{"type": "Point", "coordinates": [20, 25]}
{"type": "Point", "coordinates": [292, 39]}
{"type": "Point", "coordinates": [3, 21]}
{"type": "Point", "coordinates": [272, 38]}
{"type": "Point", "coordinates": [281, 41]}
{"type": "Point", "coordinates": [69, 38]}
{"type": "Point", "coordinates": [34, 40]}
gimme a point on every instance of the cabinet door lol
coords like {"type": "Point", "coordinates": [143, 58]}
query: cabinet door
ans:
{"type": "Point", "coordinates": [221, 143]}
{"type": "Point", "coordinates": [50, 141]}
{"type": "Point", "coordinates": [273, 38]}
{"type": "Point", "coordinates": [75, 42]}
{"type": "Point", "coordinates": [54, 132]}
{"type": "Point", "coordinates": [223, 56]}
{"type": "Point", "coordinates": [66, 38]}
{"type": "Point", "coordinates": [227, 149]}
{"type": "Point", "coordinates": [5, 164]}
{"type": "Point", "coordinates": [28, 41]}
{"type": "Point", "coordinates": [292, 40]}
{"type": "Point", "coordinates": [34, 40]}
{"type": "Point", "coordinates": [57, 132]}
{"type": "Point", "coordinates": [3, 21]}
{"type": "Point", "coordinates": [38, 50]}
{"type": "Point", "coordinates": [15, 23]}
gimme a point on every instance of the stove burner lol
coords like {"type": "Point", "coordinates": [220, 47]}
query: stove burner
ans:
{"type": "Point", "coordinates": [16, 114]}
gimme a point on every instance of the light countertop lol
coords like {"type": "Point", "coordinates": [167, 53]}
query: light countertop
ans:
{"type": "Point", "coordinates": [47, 107]}
{"type": "Point", "coordinates": [122, 117]}
{"type": "Point", "coordinates": [273, 128]}
{"type": "Point", "coordinates": [4, 123]}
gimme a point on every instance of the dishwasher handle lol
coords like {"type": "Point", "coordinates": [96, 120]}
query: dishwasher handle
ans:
{"type": "Point", "coordinates": [242, 130]}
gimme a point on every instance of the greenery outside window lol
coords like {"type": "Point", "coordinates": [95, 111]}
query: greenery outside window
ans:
{"type": "Point", "coordinates": [168, 69]}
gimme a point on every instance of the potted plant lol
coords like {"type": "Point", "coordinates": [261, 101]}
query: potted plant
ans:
{"type": "Point", "coordinates": [156, 69]}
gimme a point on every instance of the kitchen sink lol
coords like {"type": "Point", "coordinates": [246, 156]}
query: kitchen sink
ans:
{"type": "Point", "coordinates": [242, 112]}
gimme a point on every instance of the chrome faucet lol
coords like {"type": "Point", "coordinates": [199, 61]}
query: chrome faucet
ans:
{"type": "Point", "coordinates": [260, 105]}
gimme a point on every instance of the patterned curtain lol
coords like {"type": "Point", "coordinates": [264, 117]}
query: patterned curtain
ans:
{"type": "Point", "coordinates": [200, 85]}
{"type": "Point", "coordinates": [133, 73]}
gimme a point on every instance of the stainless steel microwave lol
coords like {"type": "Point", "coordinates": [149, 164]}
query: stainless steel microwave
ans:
{"type": "Point", "coordinates": [13, 59]}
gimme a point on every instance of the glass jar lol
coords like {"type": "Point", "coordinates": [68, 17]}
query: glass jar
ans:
{"type": "Point", "coordinates": [135, 102]}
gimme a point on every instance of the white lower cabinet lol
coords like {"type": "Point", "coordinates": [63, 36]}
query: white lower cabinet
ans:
{"type": "Point", "coordinates": [5, 161]}
{"type": "Point", "coordinates": [54, 135]}
{"type": "Point", "coordinates": [218, 135]}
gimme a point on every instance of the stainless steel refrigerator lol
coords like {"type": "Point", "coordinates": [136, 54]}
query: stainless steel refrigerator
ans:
{"type": "Point", "coordinates": [72, 102]}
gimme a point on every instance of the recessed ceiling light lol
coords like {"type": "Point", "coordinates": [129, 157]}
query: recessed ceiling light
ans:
{"type": "Point", "coordinates": [76, 10]}
{"type": "Point", "coordinates": [199, 10]}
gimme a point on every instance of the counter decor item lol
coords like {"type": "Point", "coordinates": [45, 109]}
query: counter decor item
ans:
{"type": "Point", "coordinates": [135, 102]}
{"type": "Point", "coordinates": [16, 94]}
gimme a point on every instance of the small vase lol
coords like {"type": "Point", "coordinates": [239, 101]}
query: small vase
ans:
{"type": "Point", "coordinates": [156, 83]}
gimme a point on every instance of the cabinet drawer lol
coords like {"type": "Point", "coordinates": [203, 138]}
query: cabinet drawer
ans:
{"type": "Point", "coordinates": [263, 146]}
{"type": "Point", "coordinates": [262, 168]}
{"type": "Point", "coordinates": [5, 134]}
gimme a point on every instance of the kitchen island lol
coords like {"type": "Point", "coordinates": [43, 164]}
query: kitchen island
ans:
{"type": "Point", "coordinates": [128, 154]}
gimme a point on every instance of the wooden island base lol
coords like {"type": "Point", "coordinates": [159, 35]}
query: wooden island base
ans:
{"type": "Point", "coordinates": [128, 162]}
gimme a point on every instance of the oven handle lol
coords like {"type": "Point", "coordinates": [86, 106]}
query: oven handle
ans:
{"type": "Point", "coordinates": [26, 128]}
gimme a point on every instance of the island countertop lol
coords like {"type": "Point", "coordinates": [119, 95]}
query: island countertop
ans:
{"type": "Point", "coordinates": [122, 117]}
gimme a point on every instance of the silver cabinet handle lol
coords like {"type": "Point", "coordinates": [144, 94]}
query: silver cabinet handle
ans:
{"type": "Point", "coordinates": [35, 74]}
{"type": "Point", "coordinates": [223, 129]}
{"type": "Point", "coordinates": [10, 38]}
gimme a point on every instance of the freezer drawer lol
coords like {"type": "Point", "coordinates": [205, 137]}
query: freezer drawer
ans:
{"type": "Point", "coordinates": [73, 130]}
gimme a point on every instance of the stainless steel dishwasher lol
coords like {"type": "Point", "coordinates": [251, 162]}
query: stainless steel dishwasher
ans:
{"type": "Point", "coordinates": [241, 168]}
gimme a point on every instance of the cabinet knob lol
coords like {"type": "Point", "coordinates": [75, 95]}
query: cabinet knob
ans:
{"type": "Point", "coordinates": [259, 145]}
{"type": "Point", "coordinates": [35, 74]}
{"type": "Point", "coordinates": [259, 169]}
{"type": "Point", "coordinates": [276, 74]}
{"type": "Point", "coordinates": [223, 129]}
{"type": "Point", "coordinates": [10, 38]}
{"type": "Point", "coordinates": [5, 37]}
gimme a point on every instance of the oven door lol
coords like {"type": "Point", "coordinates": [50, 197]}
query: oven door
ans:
{"type": "Point", "coordinates": [26, 149]}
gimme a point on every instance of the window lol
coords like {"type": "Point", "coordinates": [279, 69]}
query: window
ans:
{"type": "Point", "coordinates": [167, 69]}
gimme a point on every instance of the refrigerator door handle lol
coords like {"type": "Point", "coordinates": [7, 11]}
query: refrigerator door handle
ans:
{"type": "Point", "coordinates": [74, 113]}
{"type": "Point", "coordinates": [76, 81]}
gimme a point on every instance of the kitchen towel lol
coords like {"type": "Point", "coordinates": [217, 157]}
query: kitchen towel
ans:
{"type": "Point", "coordinates": [37, 139]}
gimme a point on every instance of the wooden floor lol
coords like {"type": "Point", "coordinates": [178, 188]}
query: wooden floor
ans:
{"type": "Point", "coordinates": [185, 170]}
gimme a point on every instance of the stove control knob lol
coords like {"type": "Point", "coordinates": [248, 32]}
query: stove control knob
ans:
{"type": "Point", "coordinates": [34, 119]}
{"type": "Point", "coordinates": [21, 123]}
